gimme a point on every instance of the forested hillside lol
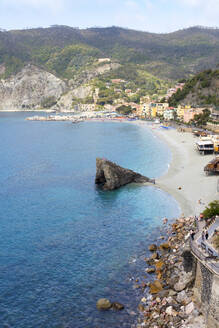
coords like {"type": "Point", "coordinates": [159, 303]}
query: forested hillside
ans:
{"type": "Point", "coordinates": [202, 89]}
{"type": "Point", "coordinates": [67, 52]}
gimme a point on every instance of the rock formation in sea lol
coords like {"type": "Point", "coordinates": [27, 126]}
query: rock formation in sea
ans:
{"type": "Point", "coordinates": [111, 176]}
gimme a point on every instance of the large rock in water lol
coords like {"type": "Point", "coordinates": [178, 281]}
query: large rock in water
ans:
{"type": "Point", "coordinates": [103, 304]}
{"type": "Point", "coordinates": [111, 176]}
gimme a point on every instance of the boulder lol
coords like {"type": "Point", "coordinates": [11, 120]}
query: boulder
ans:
{"type": "Point", "coordinates": [150, 270]}
{"type": "Point", "coordinates": [110, 176]}
{"type": "Point", "coordinates": [159, 265]}
{"type": "Point", "coordinates": [152, 247]}
{"type": "Point", "coordinates": [155, 287]}
{"type": "Point", "coordinates": [171, 311]}
{"type": "Point", "coordinates": [165, 246]}
{"type": "Point", "coordinates": [183, 298]}
{"type": "Point", "coordinates": [189, 308]}
{"type": "Point", "coordinates": [186, 280]}
{"type": "Point", "coordinates": [117, 306]}
{"type": "Point", "coordinates": [154, 256]}
{"type": "Point", "coordinates": [103, 304]}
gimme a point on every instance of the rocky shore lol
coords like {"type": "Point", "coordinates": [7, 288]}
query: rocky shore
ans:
{"type": "Point", "coordinates": [170, 301]}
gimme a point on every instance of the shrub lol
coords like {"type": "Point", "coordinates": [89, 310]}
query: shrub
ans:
{"type": "Point", "coordinates": [212, 209]}
{"type": "Point", "coordinates": [48, 102]}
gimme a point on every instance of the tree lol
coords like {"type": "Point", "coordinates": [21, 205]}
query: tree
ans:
{"type": "Point", "coordinates": [211, 210]}
{"type": "Point", "coordinates": [124, 109]}
{"type": "Point", "coordinates": [202, 119]}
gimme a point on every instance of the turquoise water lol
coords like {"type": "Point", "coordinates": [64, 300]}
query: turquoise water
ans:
{"type": "Point", "coordinates": [63, 242]}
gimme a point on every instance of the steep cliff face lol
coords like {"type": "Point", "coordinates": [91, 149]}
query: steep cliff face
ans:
{"type": "Point", "coordinates": [29, 89]}
{"type": "Point", "coordinates": [34, 88]}
{"type": "Point", "coordinates": [65, 101]}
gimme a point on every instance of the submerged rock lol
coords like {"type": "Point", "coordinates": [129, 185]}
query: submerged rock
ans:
{"type": "Point", "coordinates": [103, 304]}
{"type": "Point", "coordinates": [152, 247]}
{"type": "Point", "coordinates": [117, 306]}
{"type": "Point", "coordinates": [111, 176]}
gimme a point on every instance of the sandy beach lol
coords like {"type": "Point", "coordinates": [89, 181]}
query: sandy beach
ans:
{"type": "Point", "coordinates": [186, 172]}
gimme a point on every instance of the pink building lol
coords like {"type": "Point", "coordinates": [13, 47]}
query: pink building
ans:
{"type": "Point", "coordinates": [190, 113]}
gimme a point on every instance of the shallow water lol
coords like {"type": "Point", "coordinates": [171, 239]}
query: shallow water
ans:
{"type": "Point", "coordinates": [63, 242]}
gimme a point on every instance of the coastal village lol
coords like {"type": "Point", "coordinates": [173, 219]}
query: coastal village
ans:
{"type": "Point", "coordinates": [183, 270]}
{"type": "Point", "coordinates": [179, 286]}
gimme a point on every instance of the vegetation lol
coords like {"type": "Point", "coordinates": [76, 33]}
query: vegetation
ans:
{"type": "Point", "coordinates": [211, 210]}
{"type": "Point", "coordinates": [48, 102]}
{"type": "Point", "coordinates": [201, 119]}
{"type": "Point", "coordinates": [68, 51]}
{"type": "Point", "coordinates": [203, 88]}
{"type": "Point", "coordinates": [124, 110]}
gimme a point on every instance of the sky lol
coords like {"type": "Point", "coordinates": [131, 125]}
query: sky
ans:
{"type": "Point", "coordinates": [159, 16]}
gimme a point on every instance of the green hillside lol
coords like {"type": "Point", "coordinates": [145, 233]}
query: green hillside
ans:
{"type": "Point", "coordinates": [145, 58]}
{"type": "Point", "coordinates": [202, 89]}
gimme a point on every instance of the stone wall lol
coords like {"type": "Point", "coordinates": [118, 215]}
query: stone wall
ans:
{"type": "Point", "coordinates": [206, 293]}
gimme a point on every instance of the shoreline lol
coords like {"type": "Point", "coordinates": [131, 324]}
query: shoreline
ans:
{"type": "Point", "coordinates": [185, 179]}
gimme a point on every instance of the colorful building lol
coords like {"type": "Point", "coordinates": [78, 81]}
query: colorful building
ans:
{"type": "Point", "coordinates": [169, 114]}
{"type": "Point", "coordinates": [189, 113]}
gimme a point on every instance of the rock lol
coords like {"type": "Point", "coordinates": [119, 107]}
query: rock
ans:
{"type": "Point", "coordinates": [110, 176]}
{"type": "Point", "coordinates": [155, 287]}
{"type": "Point", "coordinates": [141, 307]}
{"type": "Point", "coordinates": [171, 311]}
{"type": "Point", "coordinates": [172, 292]}
{"type": "Point", "coordinates": [29, 88]}
{"type": "Point", "coordinates": [164, 246]}
{"type": "Point", "coordinates": [189, 308]}
{"type": "Point", "coordinates": [103, 304]}
{"type": "Point", "coordinates": [183, 298]}
{"type": "Point", "coordinates": [154, 256]}
{"type": "Point", "coordinates": [152, 247]}
{"type": "Point", "coordinates": [163, 293]}
{"type": "Point", "coordinates": [117, 306]}
{"type": "Point", "coordinates": [186, 279]}
{"type": "Point", "coordinates": [159, 265]}
{"type": "Point", "coordinates": [179, 286]}
{"type": "Point", "coordinates": [144, 300]}
{"type": "Point", "coordinates": [150, 270]}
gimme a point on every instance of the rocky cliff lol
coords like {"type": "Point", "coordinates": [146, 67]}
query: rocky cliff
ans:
{"type": "Point", "coordinates": [110, 176]}
{"type": "Point", "coordinates": [29, 89]}
{"type": "Point", "coordinates": [35, 88]}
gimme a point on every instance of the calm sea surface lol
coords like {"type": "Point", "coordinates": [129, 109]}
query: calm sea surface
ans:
{"type": "Point", "coordinates": [63, 242]}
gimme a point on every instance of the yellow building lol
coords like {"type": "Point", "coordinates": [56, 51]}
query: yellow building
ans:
{"type": "Point", "coordinates": [145, 109]}
{"type": "Point", "coordinates": [181, 110]}
{"type": "Point", "coordinates": [153, 111]}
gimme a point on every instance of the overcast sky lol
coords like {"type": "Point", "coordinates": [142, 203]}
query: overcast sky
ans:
{"type": "Point", "coordinates": [147, 15]}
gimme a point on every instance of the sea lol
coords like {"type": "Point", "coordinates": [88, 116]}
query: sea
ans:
{"type": "Point", "coordinates": [64, 243]}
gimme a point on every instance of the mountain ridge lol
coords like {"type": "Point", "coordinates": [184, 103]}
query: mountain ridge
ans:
{"type": "Point", "coordinates": [170, 56]}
